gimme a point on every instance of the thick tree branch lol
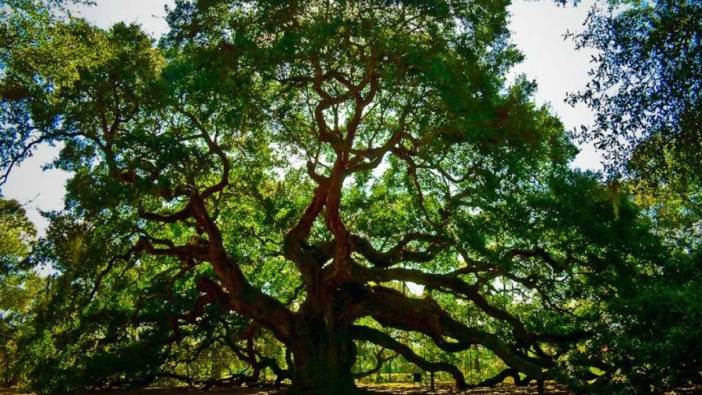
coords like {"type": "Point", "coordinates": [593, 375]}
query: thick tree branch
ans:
{"type": "Point", "coordinates": [392, 308]}
{"type": "Point", "coordinates": [400, 253]}
{"type": "Point", "coordinates": [384, 340]}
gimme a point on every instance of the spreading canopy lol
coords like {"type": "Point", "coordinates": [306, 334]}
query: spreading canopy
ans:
{"type": "Point", "coordinates": [297, 163]}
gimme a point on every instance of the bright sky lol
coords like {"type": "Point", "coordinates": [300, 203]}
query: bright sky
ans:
{"type": "Point", "coordinates": [537, 26]}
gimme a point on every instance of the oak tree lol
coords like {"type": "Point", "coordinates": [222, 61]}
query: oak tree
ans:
{"type": "Point", "coordinates": [297, 164]}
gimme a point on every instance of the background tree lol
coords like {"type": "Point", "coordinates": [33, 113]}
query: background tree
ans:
{"type": "Point", "coordinates": [645, 91]}
{"type": "Point", "coordinates": [18, 288]}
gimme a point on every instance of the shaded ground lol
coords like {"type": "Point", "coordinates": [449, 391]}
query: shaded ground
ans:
{"type": "Point", "coordinates": [397, 389]}
{"type": "Point", "coordinates": [550, 389]}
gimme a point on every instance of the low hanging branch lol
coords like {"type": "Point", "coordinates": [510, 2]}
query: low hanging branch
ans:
{"type": "Point", "coordinates": [384, 340]}
{"type": "Point", "coordinates": [380, 360]}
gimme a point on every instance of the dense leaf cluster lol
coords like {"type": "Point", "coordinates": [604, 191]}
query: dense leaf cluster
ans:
{"type": "Point", "coordinates": [312, 190]}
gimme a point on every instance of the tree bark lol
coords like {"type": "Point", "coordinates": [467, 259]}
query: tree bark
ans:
{"type": "Point", "coordinates": [323, 355]}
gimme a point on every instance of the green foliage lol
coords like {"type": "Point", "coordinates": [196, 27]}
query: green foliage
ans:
{"type": "Point", "coordinates": [645, 91]}
{"type": "Point", "coordinates": [16, 235]}
{"type": "Point", "coordinates": [279, 172]}
{"type": "Point", "coordinates": [19, 290]}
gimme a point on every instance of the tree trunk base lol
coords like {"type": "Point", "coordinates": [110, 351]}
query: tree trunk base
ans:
{"type": "Point", "coordinates": [335, 390]}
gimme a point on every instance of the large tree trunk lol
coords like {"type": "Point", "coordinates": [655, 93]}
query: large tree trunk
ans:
{"type": "Point", "coordinates": [323, 354]}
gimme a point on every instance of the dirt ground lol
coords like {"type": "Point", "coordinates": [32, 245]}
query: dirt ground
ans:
{"type": "Point", "coordinates": [396, 389]}
{"type": "Point", "coordinates": [393, 389]}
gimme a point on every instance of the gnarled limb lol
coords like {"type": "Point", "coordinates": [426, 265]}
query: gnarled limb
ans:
{"type": "Point", "coordinates": [384, 340]}
{"type": "Point", "coordinates": [380, 360]}
{"type": "Point", "coordinates": [400, 253]}
{"type": "Point", "coordinates": [393, 309]}
{"type": "Point", "coordinates": [451, 283]}
{"type": "Point", "coordinates": [500, 377]}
